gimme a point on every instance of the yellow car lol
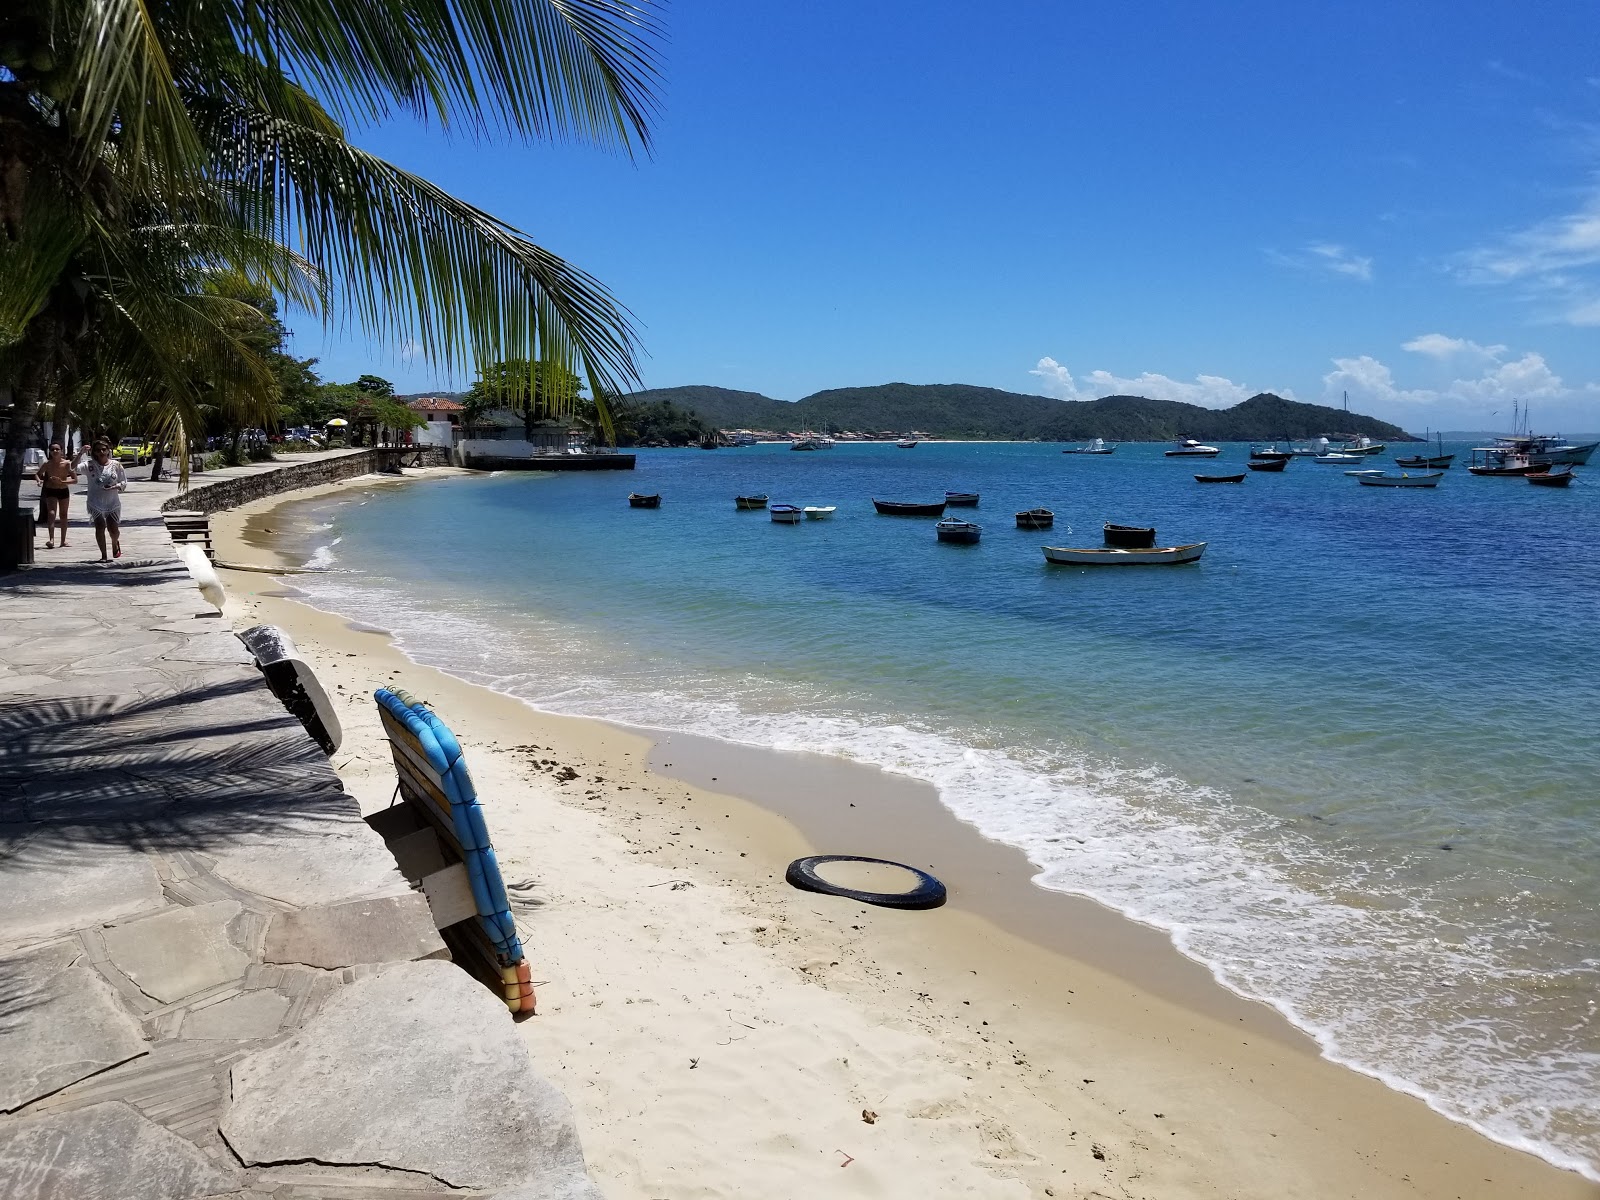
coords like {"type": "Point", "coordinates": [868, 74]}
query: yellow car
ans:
{"type": "Point", "coordinates": [134, 450]}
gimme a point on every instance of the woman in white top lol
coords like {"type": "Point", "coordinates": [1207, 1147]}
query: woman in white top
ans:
{"type": "Point", "coordinates": [106, 481]}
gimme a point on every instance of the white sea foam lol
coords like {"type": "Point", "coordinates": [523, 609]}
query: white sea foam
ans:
{"type": "Point", "coordinates": [321, 558]}
{"type": "Point", "coordinates": [1369, 977]}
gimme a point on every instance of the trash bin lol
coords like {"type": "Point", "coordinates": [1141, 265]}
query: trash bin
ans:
{"type": "Point", "coordinates": [16, 540]}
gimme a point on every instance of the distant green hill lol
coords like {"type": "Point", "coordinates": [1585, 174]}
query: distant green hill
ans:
{"type": "Point", "coordinates": [957, 410]}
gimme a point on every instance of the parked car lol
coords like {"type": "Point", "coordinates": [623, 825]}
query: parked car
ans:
{"type": "Point", "coordinates": [135, 450]}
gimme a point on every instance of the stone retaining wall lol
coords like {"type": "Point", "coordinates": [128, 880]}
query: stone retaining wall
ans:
{"type": "Point", "coordinates": [242, 489]}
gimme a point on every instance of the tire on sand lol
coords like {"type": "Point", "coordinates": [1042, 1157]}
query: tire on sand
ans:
{"type": "Point", "coordinates": [928, 892]}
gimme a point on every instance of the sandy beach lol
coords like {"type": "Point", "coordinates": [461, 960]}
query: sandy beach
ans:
{"type": "Point", "coordinates": [724, 1035]}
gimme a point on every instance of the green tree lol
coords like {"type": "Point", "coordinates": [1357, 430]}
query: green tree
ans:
{"type": "Point", "coordinates": [540, 391]}
{"type": "Point", "coordinates": [198, 117]}
{"type": "Point", "coordinates": [375, 385]}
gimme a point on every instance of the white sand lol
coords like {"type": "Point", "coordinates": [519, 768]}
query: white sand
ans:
{"type": "Point", "coordinates": [724, 1035]}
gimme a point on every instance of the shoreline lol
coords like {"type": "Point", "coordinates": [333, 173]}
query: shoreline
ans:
{"type": "Point", "coordinates": [1246, 1104]}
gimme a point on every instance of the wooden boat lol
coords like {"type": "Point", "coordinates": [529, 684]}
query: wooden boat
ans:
{"type": "Point", "coordinates": [1436, 462]}
{"type": "Point", "coordinates": [1550, 478]}
{"type": "Point", "coordinates": [961, 499]}
{"type": "Point", "coordinates": [1239, 478]}
{"type": "Point", "coordinates": [907, 443]}
{"type": "Point", "coordinates": [1036, 518]}
{"type": "Point", "coordinates": [1502, 461]}
{"type": "Point", "coordinates": [1189, 448]}
{"type": "Point", "coordinates": [1426, 479]}
{"type": "Point", "coordinates": [786, 514]}
{"type": "Point", "coordinates": [1362, 447]}
{"type": "Point", "coordinates": [1096, 446]}
{"type": "Point", "coordinates": [641, 500]}
{"type": "Point", "coordinates": [746, 503]}
{"type": "Point", "coordinates": [963, 532]}
{"type": "Point", "coordinates": [901, 508]}
{"type": "Point", "coordinates": [819, 512]}
{"type": "Point", "coordinates": [1118, 557]}
{"type": "Point", "coordinates": [1130, 537]}
{"type": "Point", "coordinates": [1268, 464]}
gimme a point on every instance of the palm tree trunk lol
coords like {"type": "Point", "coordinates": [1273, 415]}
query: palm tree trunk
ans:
{"type": "Point", "coordinates": [40, 355]}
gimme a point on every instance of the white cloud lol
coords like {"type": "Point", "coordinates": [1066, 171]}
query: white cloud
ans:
{"type": "Point", "coordinates": [1441, 347]}
{"type": "Point", "coordinates": [1326, 256]}
{"type": "Point", "coordinates": [1371, 384]}
{"type": "Point", "coordinates": [1208, 391]}
{"type": "Point", "coordinates": [1553, 262]}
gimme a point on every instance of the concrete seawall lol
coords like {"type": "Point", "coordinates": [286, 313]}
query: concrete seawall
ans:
{"type": "Point", "coordinates": [231, 492]}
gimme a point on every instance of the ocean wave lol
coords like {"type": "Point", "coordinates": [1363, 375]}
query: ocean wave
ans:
{"type": "Point", "coordinates": [1385, 981]}
{"type": "Point", "coordinates": [322, 558]}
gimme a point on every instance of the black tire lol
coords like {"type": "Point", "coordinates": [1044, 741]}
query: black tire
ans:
{"type": "Point", "coordinates": [929, 892]}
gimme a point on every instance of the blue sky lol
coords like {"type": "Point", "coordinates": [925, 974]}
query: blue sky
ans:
{"type": "Point", "coordinates": [1196, 202]}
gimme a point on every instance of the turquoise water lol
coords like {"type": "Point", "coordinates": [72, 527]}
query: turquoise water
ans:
{"type": "Point", "coordinates": [1348, 760]}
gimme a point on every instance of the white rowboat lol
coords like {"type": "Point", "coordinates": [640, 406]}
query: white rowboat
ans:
{"type": "Point", "coordinates": [1110, 556]}
{"type": "Point", "coordinates": [819, 512]}
{"type": "Point", "coordinates": [1426, 479]}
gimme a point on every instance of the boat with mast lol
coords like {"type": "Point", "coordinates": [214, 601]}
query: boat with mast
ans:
{"type": "Point", "coordinates": [1433, 462]}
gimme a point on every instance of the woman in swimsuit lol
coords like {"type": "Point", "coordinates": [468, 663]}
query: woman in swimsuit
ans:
{"type": "Point", "coordinates": [56, 477]}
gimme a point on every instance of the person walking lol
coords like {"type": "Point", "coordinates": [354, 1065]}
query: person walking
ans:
{"type": "Point", "coordinates": [106, 482]}
{"type": "Point", "coordinates": [56, 477]}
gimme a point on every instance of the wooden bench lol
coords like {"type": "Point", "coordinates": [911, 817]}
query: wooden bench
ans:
{"type": "Point", "coordinates": [437, 834]}
{"type": "Point", "coordinates": [183, 526]}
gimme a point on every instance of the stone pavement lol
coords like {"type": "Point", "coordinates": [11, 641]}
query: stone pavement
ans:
{"type": "Point", "coordinates": [213, 980]}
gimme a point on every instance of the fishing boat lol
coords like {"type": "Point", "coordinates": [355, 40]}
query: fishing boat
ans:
{"type": "Point", "coordinates": [746, 503]}
{"type": "Point", "coordinates": [1270, 451]}
{"type": "Point", "coordinates": [1433, 462]}
{"type": "Point", "coordinates": [1239, 478]}
{"type": "Point", "coordinates": [819, 512]}
{"type": "Point", "coordinates": [1268, 464]}
{"type": "Point", "coordinates": [1310, 449]}
{"type": "Point", "coordinates": [953, 530]}
{"type": "Point", "coordinates": [1338, 458]}
{"type": "Point", "coordinates": [1189, 448]}
{"type": "Point", "coordinates": [1550, 478]}
{"type": "Point", "coordinates": [1363, 446]}
{"type": "Point", "coordinates": [1130, 537]}
{"type": "Point", "coordinates": [1118, 557]}
{"type": "Point", "coordinates": [1545, 451]}
{"type": "Point", "coordinates": [907, 443]}
{"type": "Point", "coordinates": [961, 499]}
{"type": "Point", "coordinates": [901, 508]}
{"type": "Point", "coordinates": [644, 500]}
{"type": "Point", "coordinates": [786, 514]}
{"type": "Point", "coordinates": [805, 443]}
{"type": "Point", "coordinates": [1093, 446]}
{"type": "Point", "coordinates": [1036, 518]}
{"type": "Point", "coordinates": [710, 442]}
{"type": "Point", "coordinates": [1426, 479]}
{"type": "Point", "coordinates": [1502, 460]}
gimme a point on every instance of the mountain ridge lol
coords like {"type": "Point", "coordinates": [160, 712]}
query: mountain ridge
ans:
{"type": "Point", "coordinates": [957, 410]}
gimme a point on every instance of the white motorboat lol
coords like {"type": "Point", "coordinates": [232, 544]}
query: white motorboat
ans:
{"type": "Point", "coordinates": [1114, 556]}
{"type": "Point", "coordinates": [1339, 458]}
{"type": "Point", "coordinates": [1189, 448]}
{"type": "Point", "coordinates": [1310, 449]}
{"type": "Point", "coordinates": [907, 443]}
{"type": "Point", "coordinates": [819, 512]}
{"type": "Point", "coordinates": [1423, 479]}
{"type": "Point", "coordinates": [786, 514]}
{"type": "Point", "coordinates": [1363, 446]}
{"type": "Point", "coordinates": [1094, 446]}
{"type": "Point", "coordinates": [805, 443]}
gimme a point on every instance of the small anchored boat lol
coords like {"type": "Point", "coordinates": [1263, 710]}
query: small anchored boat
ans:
{"type": "Point", "coordinates": [953, 530]}
{"type": "Point", "coordinates": [1036, 518]}
{"type": "Point", "coordinates": [786, 514]}
{"type": "Point", "coordinates": [901, 508]}
{"type": "Point", "coordinates": [1362, 447]}
{"type": "Point", "coordinates": [1269, 464]}
{"type": "Point", "coordinates": [1189, 448]}
{"type": "Point", "coordinates": [1239, 478]}
{"type": "Point", "coordinates": [1550, 478]}
{"type": "Point", "coordinates": [1116, 556]}
{"type": "Point", "coordinates": [907, 443]}
{"type": "Point", "coordinates": [1426, 479]}
{"type": "Point", "coordinates": [1270, 451]}
{"type": "Point", "coordinates": [1130, 537]}
{"type": "Point", "coordinates": [1339, 459]}
{"type": "Point", "coordinates": [961, 499]}
{"type": "Point", "coordinates": [1368, 471]}
{"type": "Point", "coordinates": [806, 443]}
{"type": "Point", "coordinates": [1094, 446]}
{"type": "Point", "coordinates": [819, 512]}
{"type": "Point", "coordinates": [1502, 460]}
{"type": "Point", "coordinates": [746, 503]}
{"type": "Point", "coordinates": [644, 499]}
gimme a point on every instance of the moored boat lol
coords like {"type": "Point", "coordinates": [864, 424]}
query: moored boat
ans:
{"type": "Point", "coordinates": [1426, 479]}
{"type": "Point", "coordinates": [1363, 446]}
{"type": "Point", "coordinates": [1433, 462]}
{"type": "Point", "coordinates": [1550, 478]}
{"type": "Point", "coordinates": [1189, 448]}
{"type": "Point", "coordinates": [1268, 464]}
{"type": "Point", "coordinates": [1093, 446]}
{"type": "Point", "coordinates": [644, 500]}
{"type": "Point", "coordinates": [902, 508]}
{"type": "Point", "coordinates": [1239, 478]}
{"type": "Point", "coordinates": [1036, 518]}
{"type": "Point", "coordinates": [805, 443]}
{"type": "Point", "coordinates": [961, 499]}
{"type": "Point", "coordinates": [819, 512]}
{"type": "Point", "coordinates": [1368, 471]}
{"type": "Point", "coordinates": [1502, 460]}
{"type": "Point", "coordinates": [786, 514]}
{"type": "Point", "coordinates": [746, 503]}
{"type": "Point", "coordinates": [1116, 556]}
{"type": "Point", "coordinates": [907, 443]}
{"type": "Point", "coordinates": [1270, 451]}
{"type": "Point", "coordinates": [1338, 458]}
{"type": "Point", "coordinates": [1129, 537]}
{"type": "Point", "coordinates": [1544, 450]}
{"type": "Point", "coordinates": [952, 529]}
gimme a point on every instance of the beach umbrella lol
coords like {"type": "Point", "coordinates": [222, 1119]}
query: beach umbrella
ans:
{"type": "Point", "coordinates": [338, 422]}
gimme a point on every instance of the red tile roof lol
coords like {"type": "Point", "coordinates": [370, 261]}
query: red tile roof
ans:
{"type": "Point", "coordinates": [438, 404]}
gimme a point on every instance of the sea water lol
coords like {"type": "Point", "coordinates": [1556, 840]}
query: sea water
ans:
{"type": "Point", "coordinates": [1348, 760]}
